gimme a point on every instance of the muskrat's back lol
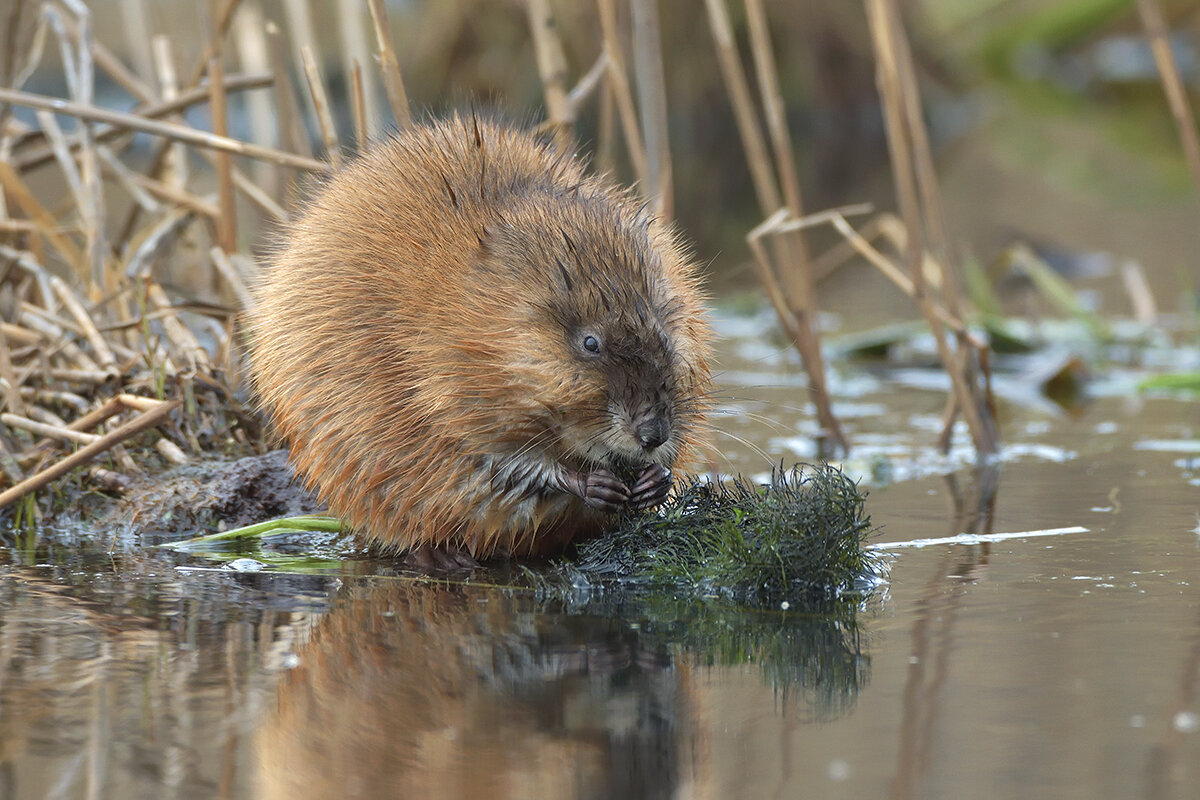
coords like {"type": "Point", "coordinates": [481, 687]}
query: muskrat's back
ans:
{"type": "Point", "coordinates": [465, 339]}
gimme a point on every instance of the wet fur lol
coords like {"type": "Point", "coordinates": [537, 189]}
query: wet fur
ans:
{"type": "Point", "coordinates": [417, 339]}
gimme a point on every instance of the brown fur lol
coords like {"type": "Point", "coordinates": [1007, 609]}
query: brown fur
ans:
{"type": "Point", "coordinates": [418, 339]}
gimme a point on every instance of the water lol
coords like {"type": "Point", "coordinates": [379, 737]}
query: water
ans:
{"type": "Point", "coordinates": [1058, 666]}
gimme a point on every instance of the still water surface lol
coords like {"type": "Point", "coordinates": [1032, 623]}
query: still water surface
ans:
{"type": "Point", "coordinates": [1059, 667]}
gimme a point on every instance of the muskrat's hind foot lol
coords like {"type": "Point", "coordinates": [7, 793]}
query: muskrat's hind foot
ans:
{"type": "Point", "coordinates": [600, 489]}
{"type": "Point", "coordinates": [651, 487]}
{"type": "Point", "coordinates": [432, 558]}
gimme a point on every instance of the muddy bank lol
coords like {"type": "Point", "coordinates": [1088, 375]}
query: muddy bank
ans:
{"type": "Point", "coordinates": [215, 495]}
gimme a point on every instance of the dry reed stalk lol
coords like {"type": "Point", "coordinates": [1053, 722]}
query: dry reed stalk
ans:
{"type": "Point", "coordinates": [320, 101]}
{"type": "Point", "coordinates": [885, 32]}
{"type": "Point", "coordinates": [72, 176]}
{"type": "Point", "coordinates": [773, 110]}
{"type": "Point", "coordinates": [230, 273]}
{"type": "Point", "coordinates": [69, 350]}
{"type": "Point", "coordinates": [287, 115]}
{"type": "Point", "coordinates": [744, 113]}
{"type": "Point", "coordinates": [17, 226]}
{"type": "Point", "coordinates": [45, 221]}
{"type": "Point", "coordinates": [49, 431]}
{"type": "Point", "coordinates": [213, 44]}
{"type": "Point", "coordinates": [586, 85]}
{"type": "Point", "coordinates": [167, 130]}
{"type": "Point", "coordinates": [12, 391]}
{"type": "Point", "coordinates": [762, 264]}
{"type": "Point", "coordinates": [606, 126]}
{"type": "Point", "coordinates": [255, 194]}
{"type": "Point", "coordinates": [652, 104]}
{"type": "Point", "coordinates": [45, 416]}
{"type": "Point", "coordinates": [1145, 310]}
{"type": "Point", "coordinates": [28, 156]}
{"type": "Point", "coordinates": [137, 402]}
{"type": "Point", "coordinates": [359, 106]}
{"type": "Point", "coordinates": [143, 421]}
{"type": "Point", "coordinates": [227, 220]}
{"type": "Point", "coordinates": [250, 42]}
{"type": "Point", "coordinates": [1168, 71]}
{"type": "Point", "coordinates": [891, 228]}
{"type": "Point", "coordinates": [127, 178]}
{"type": "Point", "coordinates": [93, 376]}
{"type": "Point", "coordinates": [224, 19]}
{"type": "Point", "coordinates": [937, 232]}
{"type": "Point", "coordinates": [795, 268]}
{"type": "Point", "coordinates": [155, 241]}
{"type": "Point", "coordinates": [8, 60]}
{"type": "Point", "coordinates": [356, 50]}
{"type": "Point", "coordinates": [178, 197]}
{"type": "Point", "coordinates": [793, 296]}
{"type": "Point", "coordinates": [187, 349]}
{"type": "Point", "coordinates": [393, 80]}
{"type": "Point", "coordinates": [174, 160]}
{"type": "Point", "coordinates": [618, 79]}
{"type": "Point", "coordinates": [114, 67]}
{"type": "Point", "coordinates": [56, 398]}
{"type": "Point", "coordinates": [898, 276]}
{"type": "Point", "coordinates": [552, 68]}
{"type": "Point", "coordinates": [75, 308]}
{"type": "Point", "coordinates": [20, 335]}
{"type": "Point", "coordinates": [301, 34]}
{"type": "Point", "coordinates": [135, 24]}
{"type": "Point", "coordinates": [973, 356]}
{"type": "Point", "coordinates": [26, 310]}
{"type": "Point", "coordinates": [92, 209]}
{"type": "Point", "coordinates": [170, 452]}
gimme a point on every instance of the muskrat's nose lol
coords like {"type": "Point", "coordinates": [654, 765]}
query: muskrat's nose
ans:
{"type": "Point", "coordinates": [652, 433]}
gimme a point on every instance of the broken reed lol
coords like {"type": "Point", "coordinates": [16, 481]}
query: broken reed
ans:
{"type": "Point", "coordinates": [783, 264]}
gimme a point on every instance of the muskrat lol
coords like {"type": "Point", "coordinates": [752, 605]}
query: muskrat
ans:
{"type": "Point", "coordinates": [472, 345]}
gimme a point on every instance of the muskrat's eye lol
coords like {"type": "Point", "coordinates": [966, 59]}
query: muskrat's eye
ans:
{"type": "Point", "coordinates": [591, 344]}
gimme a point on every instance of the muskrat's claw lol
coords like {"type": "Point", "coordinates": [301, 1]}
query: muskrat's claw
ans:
{"type": "Point", "coordinates": [605, 491]}
{"type": "Point", "coordinates": [431, 558]}
{"type": "Point", "coordinates": [600, 489]}
{"type": "Point", "coordinates": [651, 488]}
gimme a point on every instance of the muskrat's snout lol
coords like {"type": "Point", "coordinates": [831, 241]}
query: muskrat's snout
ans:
{"type": "Point", "coordinates": [652, 432]}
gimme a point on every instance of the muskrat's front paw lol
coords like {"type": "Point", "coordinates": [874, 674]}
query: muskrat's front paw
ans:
{"type": "Point", "coordinates": [651, 487]}
{"type": "Point", "coordinates": [604, 491]}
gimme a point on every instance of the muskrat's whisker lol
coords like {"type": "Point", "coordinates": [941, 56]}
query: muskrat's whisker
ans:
{"type": "Point", "coordinates": [773, 424]}
{"type": "Point", "coordinates": [740, 440]}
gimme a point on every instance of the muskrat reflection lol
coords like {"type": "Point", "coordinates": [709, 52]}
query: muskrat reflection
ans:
{"type": "Point", "coordinates": [437, 691]}
{"type": "Point", "coordinates": [421, 691]}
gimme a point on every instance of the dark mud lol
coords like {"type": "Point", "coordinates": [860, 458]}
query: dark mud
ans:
{"type": "Point", "coordinates": [215, 495]}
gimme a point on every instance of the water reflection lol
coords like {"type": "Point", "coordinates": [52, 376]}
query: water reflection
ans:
{"type": "Point", "coordinates": [932, 634]}
{"type": "Point", "coordinates": [123, 681]}
{"type": "Point", "coordinates": [452, 691]}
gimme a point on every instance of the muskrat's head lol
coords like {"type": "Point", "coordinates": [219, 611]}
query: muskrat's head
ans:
{"type": "Point", "coordinates": [611, 338]}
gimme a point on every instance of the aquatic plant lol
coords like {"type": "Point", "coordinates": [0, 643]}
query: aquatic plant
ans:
{"type": "Point", "coordinates": [798, 538]}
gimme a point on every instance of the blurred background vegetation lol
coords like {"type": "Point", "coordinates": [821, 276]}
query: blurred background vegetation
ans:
{"type": "Point", "coordinates": [1048, 119]}
{"type": "Point", "coordinates": [1061, 171]}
